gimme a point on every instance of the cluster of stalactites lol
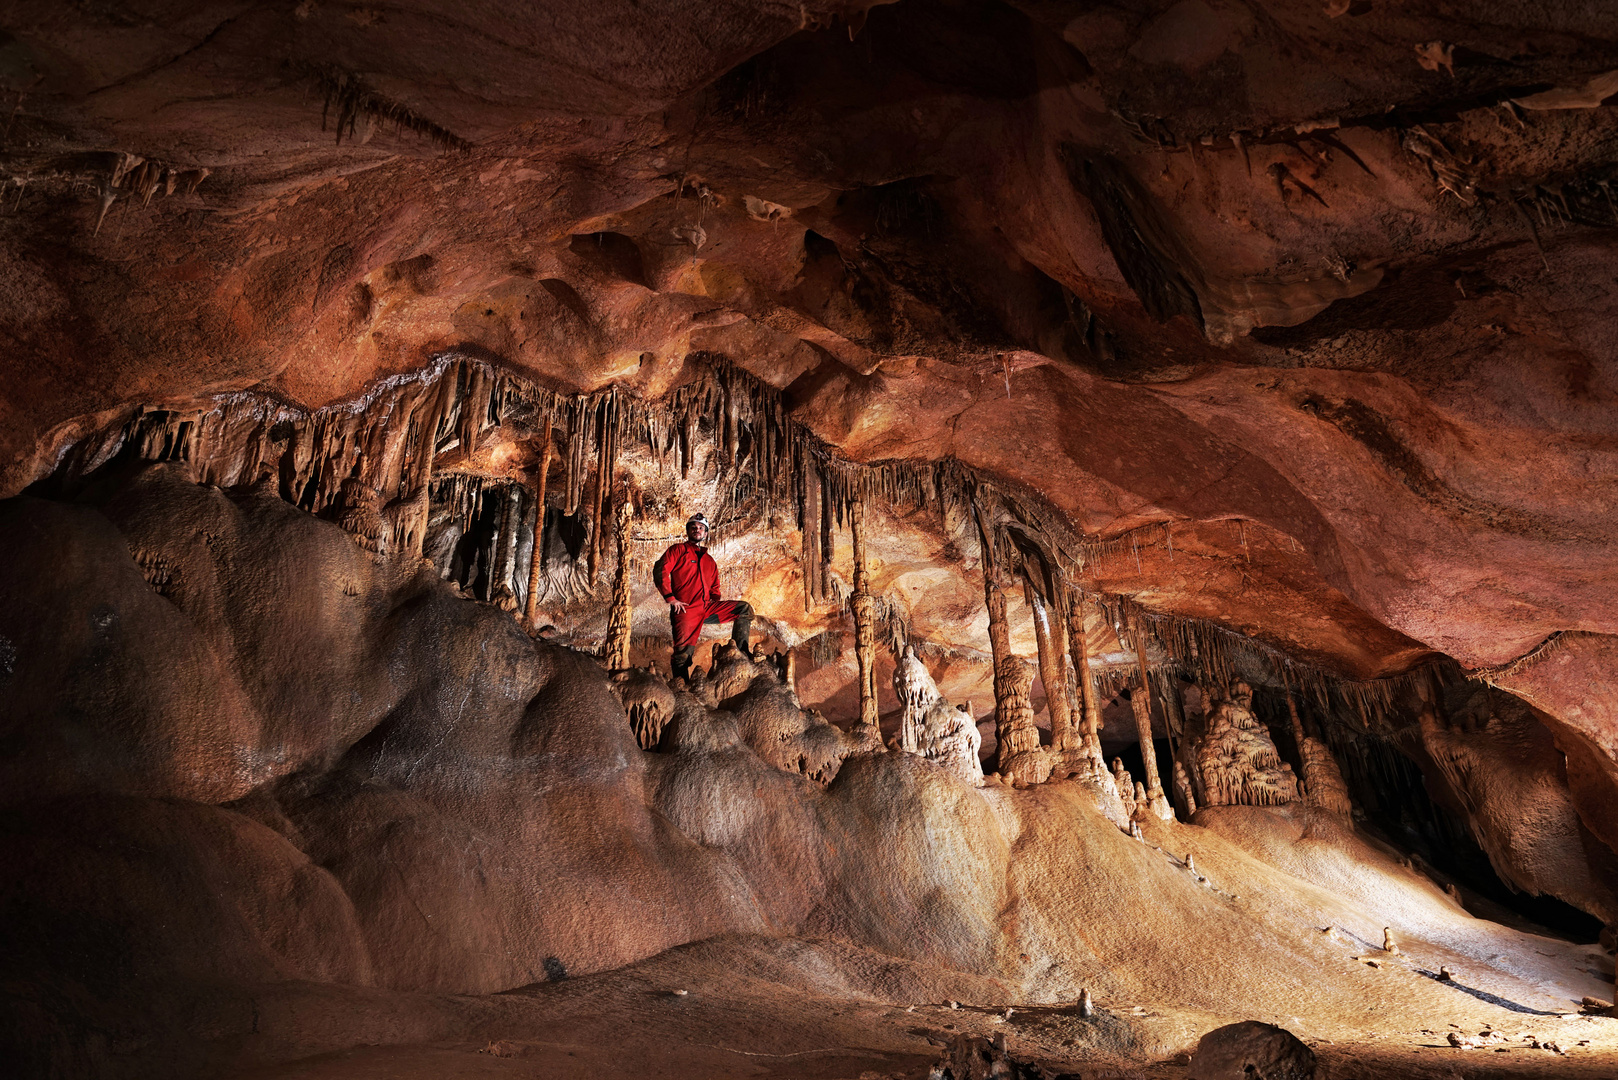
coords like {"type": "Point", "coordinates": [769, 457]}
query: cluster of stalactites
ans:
{"type": "Point", "coordinates": [402, 461]}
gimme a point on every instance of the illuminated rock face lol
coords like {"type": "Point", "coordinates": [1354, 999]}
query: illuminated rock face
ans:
{"type": "Point", "coordinates": [1234, 759]}
{"type": "Point", "coordinates": [339, 337]}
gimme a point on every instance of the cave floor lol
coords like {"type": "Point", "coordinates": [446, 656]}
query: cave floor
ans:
{"type": "Point", "coordinates": [766, 1008]}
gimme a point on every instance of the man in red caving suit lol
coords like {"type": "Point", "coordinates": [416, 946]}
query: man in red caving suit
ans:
{"type": "Point", "coordinates": [688, 578]}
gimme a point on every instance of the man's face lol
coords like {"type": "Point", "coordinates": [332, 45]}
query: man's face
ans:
{"type": "Point", "coordinates": [696, 532]}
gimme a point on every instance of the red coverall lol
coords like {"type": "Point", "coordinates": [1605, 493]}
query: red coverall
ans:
{"type": "Point", "coordinates": [687, 573]}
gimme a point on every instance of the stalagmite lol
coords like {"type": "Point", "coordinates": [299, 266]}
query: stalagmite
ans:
{"type": "Point", "coordinates": [911, 684]}
{"type": "Point", "coordinates": [1141, 702]}
{"type": "Point", "coordinates": [1086, 1004]}
{"type": "Point", "coordinates": [1323, 784]}
{"type": "Point", "coordinates": [1051, 639]}
{"type": "Point", "coordinates": [606, 463]}
{"type": "Point", "coordinates": [931, 727]}
{"type": "Point", "coordinates": [503, 561]}
{"type": "Point", "coordinates": [1388, 944]}
{"type": "Point", "coordinates": [1182, 789]}
{"type": "Point", "coordinates": [1018, 755]}
{"type": "Point", "coordinates": [1125, 784]}
{"type": "Point", "coordinates": [1235, 759]}
{"type": "Point", "coordinates": [809, 528]}
{"type": "Point", "coordinates": [619, 624]}
{"type": "Point", "coordinates": [531, 614]}
{"type": "Point", "coordinates": [863, 605]}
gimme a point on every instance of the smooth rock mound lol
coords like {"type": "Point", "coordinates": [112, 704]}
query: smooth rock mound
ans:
{"type": "Point", "coordinates": [1252, 1050]}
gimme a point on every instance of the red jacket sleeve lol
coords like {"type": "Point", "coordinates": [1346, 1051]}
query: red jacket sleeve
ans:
{"type": "Point", "coordinates": [713, 591]}
{"type": "Point", "coordinates": [660, 574]}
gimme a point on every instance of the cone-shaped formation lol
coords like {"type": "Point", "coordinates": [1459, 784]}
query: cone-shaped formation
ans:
{"type": "Point", "coordinates": [1234, 760]}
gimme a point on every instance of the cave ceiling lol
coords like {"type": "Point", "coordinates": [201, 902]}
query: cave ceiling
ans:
{"type": "Point", "coordinates": [1307, 306]}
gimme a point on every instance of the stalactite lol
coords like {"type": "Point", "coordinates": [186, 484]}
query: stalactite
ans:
{"type": "Point", "coordinates": [828, 540]}
{"type": "Point", "coordinates": [619, 617]}
{"type": "Point", "coordinates": [809, 526]}
{"type": "Point", "coordinates": [606, 428]}
{"type": "Point", "coordinates": [577, 448]}
{"type": "Point", "coordinates": [1298, 736]}
{"type": "Point", "coordinates": [394, 438]}
{"type": "Point", "coordinates": [531, 614]}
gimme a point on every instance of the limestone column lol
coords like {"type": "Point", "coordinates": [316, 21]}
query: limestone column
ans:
{"type": "Point", "coordinates": [1014, 727]}
{"type": "Point", "coordinates": [1141, 701]}
{"type": "Point", "coordinates": [616, 649]}
{"type": "Point", "coordinates": [606, 437]}
{"type": "Point", "coordinates": [1292, 711]}
{"type": "Point", "coordinates": [1321, 780]}
{"type": "Point", "coordinates": [1017, 756]}
{"type": "Point", "coordinates": [1051, 639]}
{"type": "Point", "coordinates": [863, 605]}
{"type": "Point", "coordinates": [1079, 645]}
{"type": "Point", "coordinates": [531, 613]}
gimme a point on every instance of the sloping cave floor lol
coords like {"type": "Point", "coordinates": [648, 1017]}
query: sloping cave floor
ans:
{"type": "Point", "coordinates": [759, 1007]}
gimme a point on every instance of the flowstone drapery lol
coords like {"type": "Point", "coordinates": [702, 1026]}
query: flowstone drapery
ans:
{"type": "Point", "coordinates": [1234, 761]}
{"type": "Point", "coordinates": [942, 733]}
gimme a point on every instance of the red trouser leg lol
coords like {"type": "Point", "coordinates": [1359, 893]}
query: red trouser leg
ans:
{"type": "Point", "coordinates": [687, 624]}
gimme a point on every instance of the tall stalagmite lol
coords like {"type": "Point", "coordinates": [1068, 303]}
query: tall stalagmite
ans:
{"type": "Point", "coordinates": [1141, 701]}
{"type": "Point", "coordinates": [863, 605]}
{"type": "Point", "coordinates": [1322, 784]}
{"type": "Point", "coordinates": [619, 624]}
{"type": "Point", "coordinates": [1079, 646]}
{"type": "Point", "coordinates": [1051, 638]}
{"type": "Point", "coordinates": [1018, 756]}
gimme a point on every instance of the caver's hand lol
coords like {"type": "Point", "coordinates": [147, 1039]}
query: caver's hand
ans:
{"type": "Point", "coordinates": [677, 605]}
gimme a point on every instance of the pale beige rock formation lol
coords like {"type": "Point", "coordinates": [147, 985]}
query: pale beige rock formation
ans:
{"type": "Point", "coordinates": [1234, 759]}
{"type": "Point", "coordinates": [939, 731]}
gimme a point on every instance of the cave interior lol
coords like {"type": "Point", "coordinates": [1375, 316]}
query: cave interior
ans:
{"type": "Point", "coordinates": [1170, 448]}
